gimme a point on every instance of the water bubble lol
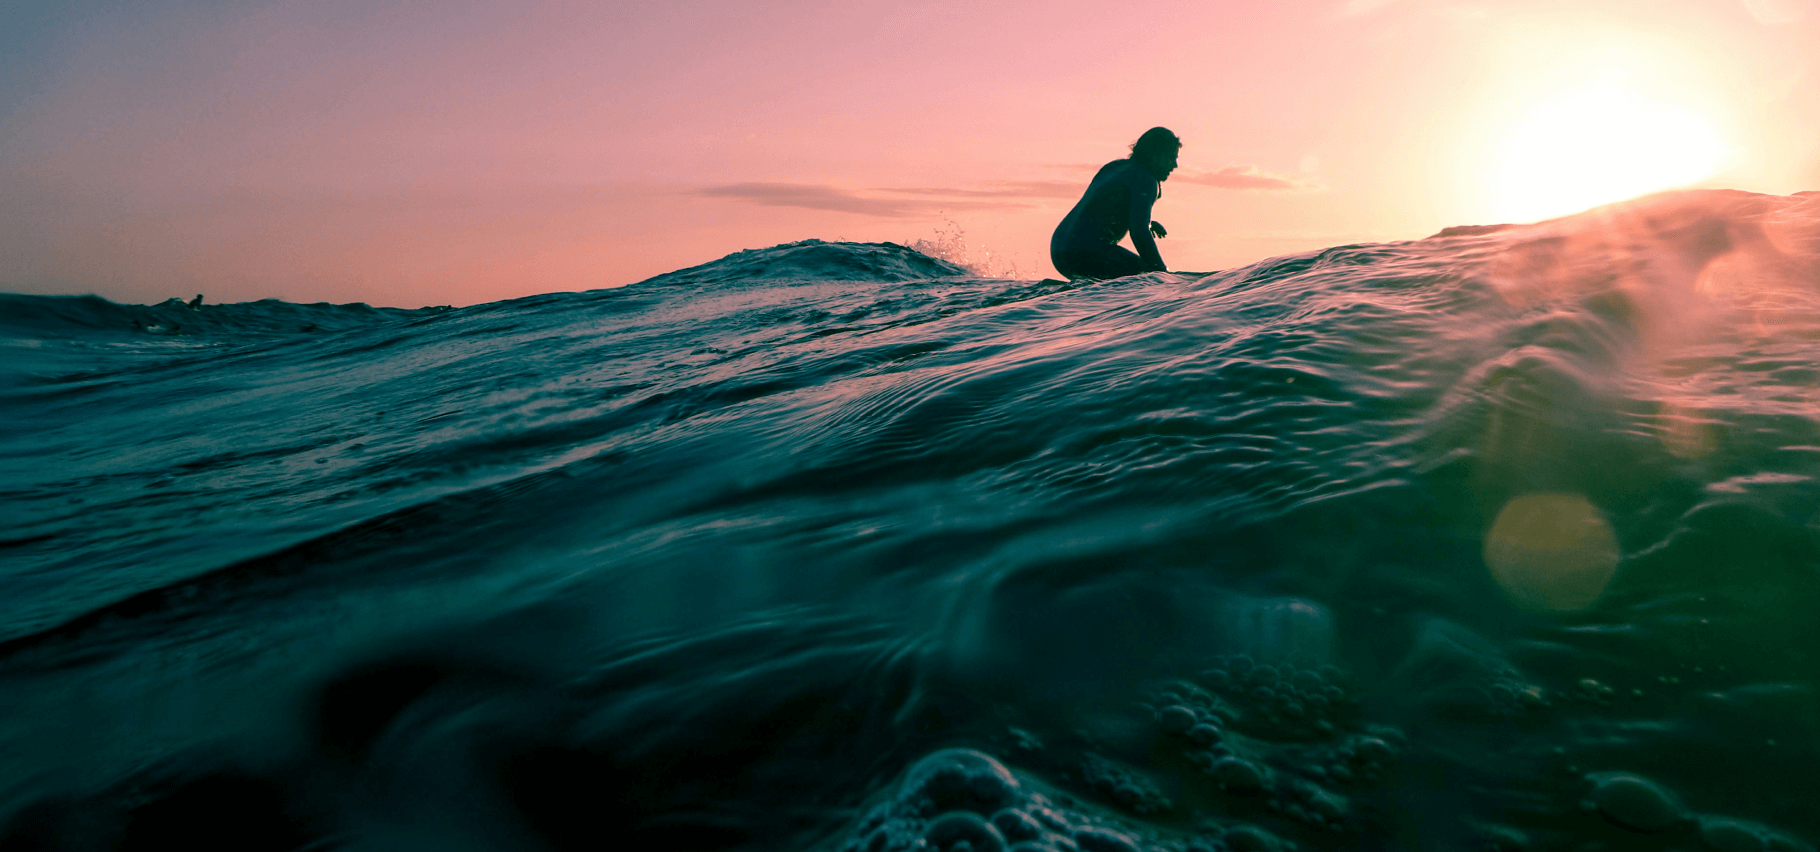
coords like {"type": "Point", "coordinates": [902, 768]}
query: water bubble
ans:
{"type": "Point", "coordinates": [951, 830]}
{"type": "Point", "coordinates": [1730, 835]}
{"type": "Point", "coordinates": [1636, 802]}
{"type": "Point", "coordinates": [1049, 818]}
{"type": "Point", "coordinates": [1373, 750]}
{"type": "Point", "coordinates": [1204, 734]}
{"type": "Point", "coordinates": [1249, 838]}
{"type": "Point", "coordinates": [1238, 775]}
{"type": "Point", "coordinates": [1503, 838]}
{"type": "Point", "coordinates": [1175, 719]}
{"type": "Point", "coordinates": [961, 779]}
{"type": "Point", "coordinates": [1326, 807]}
{"type": "Point", "coordinates": [1779, 842]}
{"type": "Point", "coordinates": [1016, 825]}
{"type": "Point", "coordinates": [1103, 840]}
{"type": "Point", "coordinates": [1308, 681]}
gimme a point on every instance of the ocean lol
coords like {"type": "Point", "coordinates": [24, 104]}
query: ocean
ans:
{"type": "Point", "coordinates": [1502, 539]}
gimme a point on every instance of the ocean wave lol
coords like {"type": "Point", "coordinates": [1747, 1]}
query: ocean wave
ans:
{"type": "Point", "coordinates": [837, 545]}
{"type": "Point", "coordinates": [30, 317]}
{"type": "Point", "coordinates": [815, 260]}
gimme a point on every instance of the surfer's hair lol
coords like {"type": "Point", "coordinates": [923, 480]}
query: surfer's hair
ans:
{"type": "Point", "coordinates": [1156, 140]}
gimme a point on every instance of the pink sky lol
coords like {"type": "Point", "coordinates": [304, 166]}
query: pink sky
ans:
{"type": "Point", "coordinates": [411, 154]}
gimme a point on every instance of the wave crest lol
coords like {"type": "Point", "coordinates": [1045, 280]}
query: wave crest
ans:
{"type": "Point", "coordinates": [815, 260]}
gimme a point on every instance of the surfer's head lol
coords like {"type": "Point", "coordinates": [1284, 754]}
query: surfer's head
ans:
{"type": "Point", "coordinates": [1156, 151]}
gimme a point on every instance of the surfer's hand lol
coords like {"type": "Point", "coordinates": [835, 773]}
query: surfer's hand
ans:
{"type": "Point", "coordinates": [1158, 229]}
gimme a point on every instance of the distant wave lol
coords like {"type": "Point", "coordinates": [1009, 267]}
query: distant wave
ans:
{"type": "Point", "coordinates": [22, 315]}
{"type": "Point", "coordinates": [815, 260]}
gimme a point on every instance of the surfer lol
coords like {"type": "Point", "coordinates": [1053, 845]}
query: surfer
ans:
{"type": "Point", "coordinates": [1086, 244]}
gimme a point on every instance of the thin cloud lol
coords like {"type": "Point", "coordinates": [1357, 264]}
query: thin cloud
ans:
{"type": "Point", "coordinates": [1244, 177]}
{"type": "Point", "coordinates": [810, 196]}
{"type": "Point", "coordinates": [998, 195]}
{"type": "Point", "coordinates": [1002, 189]}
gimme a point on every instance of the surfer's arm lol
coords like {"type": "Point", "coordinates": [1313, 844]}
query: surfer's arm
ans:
{"type": "Point", "coordinates": [1143, 195]}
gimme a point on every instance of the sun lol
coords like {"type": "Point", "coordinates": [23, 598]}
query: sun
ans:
{"type": "Point", "coordinates": [1596, 144]}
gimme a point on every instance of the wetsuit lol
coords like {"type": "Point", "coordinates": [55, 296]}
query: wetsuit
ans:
{"type": "Point", "coordinates": [1086, 244]}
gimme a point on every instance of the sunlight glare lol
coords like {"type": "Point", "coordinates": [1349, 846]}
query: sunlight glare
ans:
{"type": "Point", "coordinates": [1551, 552]}
{"type": "Point", "coordinates": [1598, 145]}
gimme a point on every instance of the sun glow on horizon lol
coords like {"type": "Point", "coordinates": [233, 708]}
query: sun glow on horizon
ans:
{"type": "Point", "coordinates": [1599, 144]}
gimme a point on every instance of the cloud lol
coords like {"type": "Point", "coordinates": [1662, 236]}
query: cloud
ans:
{"type": "Point", "coordinates": [1244, 177]}
{"type": "Point", "coordinates": [904, 202]}
{"type": "Point", "coordinates": [996, 195]}
{"type": "Point", "coordinates": [1004, 189]}
{"type": "Point", "coordinates": [811, 196]}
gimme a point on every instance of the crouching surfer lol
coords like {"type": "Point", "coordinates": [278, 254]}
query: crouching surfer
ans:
{"type": "Point", "coordinates": [1086, 244]}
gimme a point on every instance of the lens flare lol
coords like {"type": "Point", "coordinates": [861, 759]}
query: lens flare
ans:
{"type": "Point", "coordinates": [1551, 552]}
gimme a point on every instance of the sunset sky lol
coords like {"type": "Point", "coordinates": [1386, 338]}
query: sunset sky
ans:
{"type": "Point", "coordinates": [415, 153]}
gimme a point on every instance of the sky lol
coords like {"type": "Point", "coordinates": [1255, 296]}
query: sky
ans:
{"type": "Point", "coordinates": [408, 153]}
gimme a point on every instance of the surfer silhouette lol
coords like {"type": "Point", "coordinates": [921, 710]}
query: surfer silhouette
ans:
{"type": "Point", "coordinates": [1117, 202]}
{"type": "Point", "coordinates": [196, 303]}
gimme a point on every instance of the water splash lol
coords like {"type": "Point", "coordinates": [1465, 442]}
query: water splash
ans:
{"type": "Point", "coordinates": [950, 244]}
